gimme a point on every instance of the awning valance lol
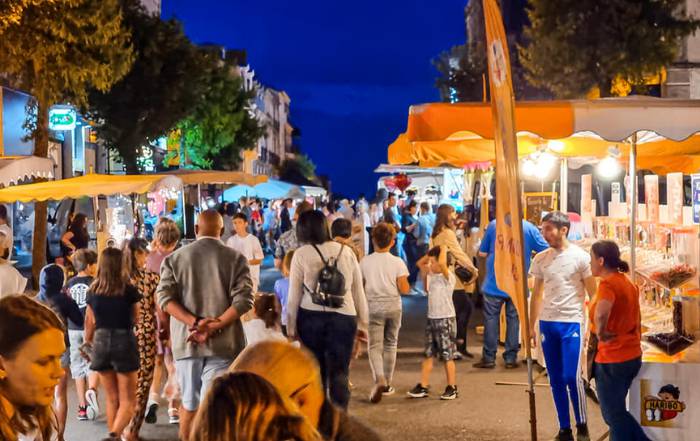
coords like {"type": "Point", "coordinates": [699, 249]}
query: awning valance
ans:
{"type": "Point", "coordinates": [204, 177]}
{"type": "Point", "coordinates": [14, 169]}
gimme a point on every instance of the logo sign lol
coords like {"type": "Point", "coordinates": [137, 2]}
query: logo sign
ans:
{"type": "Point", "coordinates": [662, 404]}
{"type": "Point", "coordinates": [498, 63]}
{"type": "Point", "coordinates": [62, 119]}
{"type": "Point", "coordinates": [696, 199]}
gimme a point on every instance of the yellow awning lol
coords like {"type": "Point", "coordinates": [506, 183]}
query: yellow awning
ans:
{"type": "Point", "coordinates": [89, 186]}
{"type": "Point", "coordinates": [204, 177]}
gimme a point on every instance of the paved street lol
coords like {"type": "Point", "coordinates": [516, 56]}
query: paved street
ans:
{"type": "Point", "coordinates": [484, 411]}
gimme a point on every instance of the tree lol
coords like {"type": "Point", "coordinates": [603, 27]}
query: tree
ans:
{"type": "Point", "coordinates": [297, 169]}
{"type": "Point", "coordinates": [56, 51]}
{"type": "Point", "coordinates": [575, 45]}
{"type": "Point", "coordinates": [163, 86]}
{"type": "Point", "coordinates": [222, 124]}
{"type": "Point", "coordinates": [11, 10]}
{"type": "Point", "coordinates": [463, 77]}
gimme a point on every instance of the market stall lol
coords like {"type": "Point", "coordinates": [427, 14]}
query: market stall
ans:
{"type": "Point", "coordinates": [115, 209]}
{"type": "Point", "coordinates": [659, 237]}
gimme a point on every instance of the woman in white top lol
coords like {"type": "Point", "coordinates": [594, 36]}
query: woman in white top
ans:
{"type": "Point", "coordinates": [31, 345]}
{"type": "Point", "coordinates": [327, 325]}
{"type": "Point", "coordinates": [363, 219]}
{"type": "Point", "coordinates": [11, 281]}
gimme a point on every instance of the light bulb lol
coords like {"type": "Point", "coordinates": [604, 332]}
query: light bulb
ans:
{"type": "Point", "coordinates": [556, 146]}
{"type": "Point", "coordinates": [545, 164]}
{"type": "Point", "coordinates": [529, 167]}
{"type": "Point", "coordinates": [608, 167]}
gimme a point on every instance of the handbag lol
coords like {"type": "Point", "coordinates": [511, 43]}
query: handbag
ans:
{"type": "Point", "coordinates": [463, 273]}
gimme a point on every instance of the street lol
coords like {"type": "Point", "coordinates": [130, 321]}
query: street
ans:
{"type": "Point", "coordinates": [483, 411]}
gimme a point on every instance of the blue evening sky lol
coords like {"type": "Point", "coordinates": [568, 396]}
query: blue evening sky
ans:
{"type": "Point", "coordinates": [351, 68]}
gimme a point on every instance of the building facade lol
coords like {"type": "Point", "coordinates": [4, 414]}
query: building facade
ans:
{"type": "Point", "coordinates": [683, 77]}
{"type": "Point", "coordinates": [271, 108]}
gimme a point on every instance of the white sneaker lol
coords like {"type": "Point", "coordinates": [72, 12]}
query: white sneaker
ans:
{"type": "Point", "coordinates": [174, 416]}
{"type": "Point", "coordinates": [93, 405]}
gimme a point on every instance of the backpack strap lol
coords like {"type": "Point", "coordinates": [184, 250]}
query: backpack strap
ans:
{"type": "Point", "coordinates": [323, 259]}
{"type": "Point", "coordinates": [335, 264]}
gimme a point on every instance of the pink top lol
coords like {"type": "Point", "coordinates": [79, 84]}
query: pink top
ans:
{"type": "Point", "coordinates": [155, 259]}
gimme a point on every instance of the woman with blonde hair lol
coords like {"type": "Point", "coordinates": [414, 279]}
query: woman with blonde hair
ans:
{"type": "Point", "coordinates": [295, 374]}
{"type": "Point", "coordinates": [31, 345]}
{"type": "Point", "coordinates": [245, 407]}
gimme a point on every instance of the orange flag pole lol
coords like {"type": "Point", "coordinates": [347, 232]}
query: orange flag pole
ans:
{"type": "Point", "coordinates": [509, 262]}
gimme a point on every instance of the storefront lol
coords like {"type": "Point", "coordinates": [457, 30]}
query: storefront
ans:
{"type": "Point", "coordinates": [652, 217]}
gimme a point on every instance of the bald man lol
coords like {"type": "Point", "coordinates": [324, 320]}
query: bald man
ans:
{"type": "Point", "coordinates": [205, 287]}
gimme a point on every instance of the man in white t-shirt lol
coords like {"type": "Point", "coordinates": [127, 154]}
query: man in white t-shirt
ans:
{"type": "Point", "coordinates": [386, 278]}
{"type": "Point", "coordinates": [11, 281]}
{"type": "Point", "coordinates": [562, 277]}
{"type": "Point", "coordinates": [248, 245]}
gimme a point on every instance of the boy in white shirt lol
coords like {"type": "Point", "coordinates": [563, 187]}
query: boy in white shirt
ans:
{"type": "Point", "coordinates": [386, 278]}
{"type": "Point", "coordinates": [11, 281]}
{"type": "Point", "coordinates": [248, 245]}
{"type": "Point", "coordinates": [441, 330]}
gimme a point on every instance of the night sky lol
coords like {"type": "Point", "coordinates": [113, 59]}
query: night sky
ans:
{"type": "Point", "coordinates": [351, 68]}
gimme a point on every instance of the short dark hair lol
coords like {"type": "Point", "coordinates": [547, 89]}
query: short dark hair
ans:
{"type": "Point", "coordinates": [3, 212]}
{"type": "Point", "coordinates": [412, 204]}
{"type": "Point", "coordinates": [435, 252]}
{"type": "Point", "coordinates": [558, 219]}
{"type": "Point", "coordinates": [671, 390]}
{"type": "Point", "coordinates": [425, 206]}
{"type": "Point", "coordinates": [83, 258]}
{"type": "Point", "coordinates": [240, 216]}
{"type": "Point", "coordinates": [312, 228]}
{"type": "Point", "coordinates": [341, 228]}
{"type": "Point", "coordinates": [383, 234]}
{"type": "Point", "coordinates": [391, 195]}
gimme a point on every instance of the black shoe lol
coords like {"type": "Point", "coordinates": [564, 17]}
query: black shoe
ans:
{"type": "Point", "coordinates": [418, 392]}
{"type": "Point", "coordinates": [450, 393]}
{"type": "Point", "coordinates": [376, 395]}
{"type": "Point", "coordinates": [564, 435]}
{"type": "Point", "coordinates": [512, 365]}
{"type": "Point", "coordinates": [483, 364]}
{"type": "Point", "coordinates": [152, 413]}
{"type": "Point", "coordinates": [468, 355]}
{"type": "Point", "coordinates": [582, 432]}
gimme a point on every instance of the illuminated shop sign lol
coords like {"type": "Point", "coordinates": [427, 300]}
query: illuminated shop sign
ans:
{"type": "Point", "coordinates": [62, 119]}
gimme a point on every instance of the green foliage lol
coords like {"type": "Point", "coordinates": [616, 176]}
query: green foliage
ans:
{"type": "Point", "coordinates": [300, 166]}
{"type": "Point", "coordinates": [575, 45]}
{"type": "Point", "coordinates": [462, 76]}
{"type": "Point", "coordinates": [222, 124]}
{"type": "Point", "coordinates": [161, 89]}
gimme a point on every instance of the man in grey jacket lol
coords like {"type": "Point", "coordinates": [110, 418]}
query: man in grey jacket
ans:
{"type": "Point", "coordinates": [205, 287]}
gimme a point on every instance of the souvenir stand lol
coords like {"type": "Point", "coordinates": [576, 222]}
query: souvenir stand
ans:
{"type": "Point", "coordinates": [661, 242]}
{"type": "Point", "coordinates": [116, 217]}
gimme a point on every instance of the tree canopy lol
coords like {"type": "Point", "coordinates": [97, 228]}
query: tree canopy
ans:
{"type": "Point", "coordinates": [573, 46]}
{"type": "Point", "coordinates": [222, 124]}
{"type": "Point", "coordinates": [163, 86]}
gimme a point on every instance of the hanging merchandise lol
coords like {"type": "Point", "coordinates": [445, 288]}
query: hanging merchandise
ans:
{"type": "Point", "coordinates": [651, 196]}
{"type": "Point", "coordinates": [486, 179]}
{"type": "Point", "coordinates": [469, 179]}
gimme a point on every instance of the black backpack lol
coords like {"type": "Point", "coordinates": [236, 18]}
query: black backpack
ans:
{"type": "Point", "coordinates": [330, 287]}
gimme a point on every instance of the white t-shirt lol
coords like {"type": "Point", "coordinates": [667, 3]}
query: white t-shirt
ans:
{"type": "Point", "coordinates": [380, 271]}
{"type": "Point", "coordinates": [8, 241]}
{"type": "Point", "coordinates": [440, 290]}
{"type": "Point", "coordinates": [250, 247]}
{"type": "Point", "coordinates": [563, 273]}
{"type": "Point", "coordinates": [11, 281]}
{"type": "Point", "coordinates": [255, 332]}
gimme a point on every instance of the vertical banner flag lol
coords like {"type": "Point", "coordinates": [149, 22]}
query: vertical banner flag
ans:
{"type": "Point", "coordinates": [509, 244]}
{"type": "Point", "coordinates": [674, 198]}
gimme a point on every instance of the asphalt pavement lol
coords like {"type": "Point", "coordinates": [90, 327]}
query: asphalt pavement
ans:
{"type": "Point", "coordinates": [484, 410]}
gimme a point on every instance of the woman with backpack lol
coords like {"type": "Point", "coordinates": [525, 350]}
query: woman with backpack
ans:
{"type": "Point", "coordinates": [327, 307]}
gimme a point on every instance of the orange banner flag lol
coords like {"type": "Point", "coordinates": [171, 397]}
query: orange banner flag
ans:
{"type": "Point", "coordinates": [508, 264]}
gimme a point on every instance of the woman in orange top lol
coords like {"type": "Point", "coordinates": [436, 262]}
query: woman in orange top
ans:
{"type": "Point", "coordinates": [615, 319]}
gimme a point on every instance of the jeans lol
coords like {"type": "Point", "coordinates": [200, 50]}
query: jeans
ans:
{"type": "Point", "coordinates": [463, 310]}
{"type": "Point", "coordinates": [411, 249]}
{"type": "Point", "coordinates": [330, 337]}
{"type": "Point", "coordinates": [383, 340]}
{"type": "Point", "coordinates": [613, 381]}
{"type": "Point", "coordinates": [492, 328]}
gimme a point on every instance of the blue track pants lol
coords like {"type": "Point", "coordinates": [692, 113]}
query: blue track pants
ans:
{"type": "Point", "coordinates": [562, 345]}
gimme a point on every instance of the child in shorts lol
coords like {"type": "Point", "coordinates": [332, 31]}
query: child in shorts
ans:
{"type": "Point", "coordinates": [86, 381]}
{"type": "Point", "coordinates": [441, 329]}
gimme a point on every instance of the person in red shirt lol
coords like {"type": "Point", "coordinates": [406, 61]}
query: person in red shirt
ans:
{"type": "Point", "coordinates": [615, 319]}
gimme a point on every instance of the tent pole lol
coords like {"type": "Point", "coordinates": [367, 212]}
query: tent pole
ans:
{"type": "Point", "coordinates": [199, 197]}
{"type": "Point", "coordinates": [633, 216]}
{"type": "Point", "coordinates": [564, 186]}
{"type": "Point", "coordinates": [184, 212]}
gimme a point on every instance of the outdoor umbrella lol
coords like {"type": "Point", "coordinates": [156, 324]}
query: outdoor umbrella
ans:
{"type": "Point", "coordinates": [239, 191]}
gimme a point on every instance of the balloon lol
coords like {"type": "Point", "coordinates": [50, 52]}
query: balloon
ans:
{"type": "Point", "coordinates": [402, 181]}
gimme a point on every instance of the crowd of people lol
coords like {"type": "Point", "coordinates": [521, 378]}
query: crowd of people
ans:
{"type": "Point", "coordinates": [156, 320]}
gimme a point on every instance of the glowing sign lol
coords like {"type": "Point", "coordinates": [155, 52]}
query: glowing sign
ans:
{"type": "Point", "coordinates": [62, 119]}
